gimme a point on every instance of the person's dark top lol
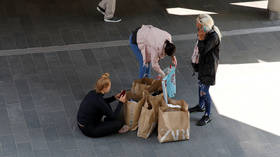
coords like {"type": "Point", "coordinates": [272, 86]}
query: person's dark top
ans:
{"type": "Point", "coordinates": [94, 107]}
{"type": "Point", "coordinates": [209, 49]}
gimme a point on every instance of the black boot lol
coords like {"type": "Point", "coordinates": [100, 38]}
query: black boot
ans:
{"type": "Point", "coordinates": [196, 109]}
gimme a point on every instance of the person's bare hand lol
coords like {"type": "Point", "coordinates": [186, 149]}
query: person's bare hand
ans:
{"type": "Point", "coordinates": [201, 34]}
{"type": "Point", "coordinates": [174, 61]}
{"type": "Point", "coordinates": [118, 96]}
{"type": "Point", "coordinates": [123, 99]}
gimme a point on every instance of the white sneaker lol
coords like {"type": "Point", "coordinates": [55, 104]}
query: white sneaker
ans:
{"type": "Point", "coordinates": [113, 19]}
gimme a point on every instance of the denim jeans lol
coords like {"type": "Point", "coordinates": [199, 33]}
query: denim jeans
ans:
{"type": "Point", "coordinates": [204, 98]}
{"type": "Point", "coordinates": [144, 70]}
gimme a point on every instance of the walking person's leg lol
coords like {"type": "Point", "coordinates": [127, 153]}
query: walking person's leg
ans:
{"type": "Point", "coordinates": [139, 57]}
{"type": "Point", "coordinates": [102, 6]}
{"type": "Point", "coordinates": [107, 8]}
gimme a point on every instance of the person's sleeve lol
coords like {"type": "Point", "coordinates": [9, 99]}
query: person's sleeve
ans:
{"type": "Point", "coordinates": [205, 46]}
{"type": "Point", "coordinates": [108, 112]}
{"type": "Point", "coordinates": [110, 99]}
{"type": "Point", "coordinates": [155, 60]}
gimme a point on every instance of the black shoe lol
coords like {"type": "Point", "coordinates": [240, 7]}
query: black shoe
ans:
{"type": "Point", "coordinates": [101, 10]}
{"type": "Point", "coordinates": [113, 19]}
{"type": "Point", "coordinates": [204, 120]}
{"type": "Point", "coordinates": [196, 109]}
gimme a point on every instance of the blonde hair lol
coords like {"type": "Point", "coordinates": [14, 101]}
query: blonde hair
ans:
{"type": "Point", "coordinates": [208, 23]}
{"type": "Point", "coordinates": [103, 82]}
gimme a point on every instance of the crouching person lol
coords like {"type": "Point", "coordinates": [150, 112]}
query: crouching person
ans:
{"type": "Point", "coordinates": [94, 107]}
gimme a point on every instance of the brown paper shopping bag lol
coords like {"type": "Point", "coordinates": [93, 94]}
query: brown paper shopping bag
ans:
{"type": "Point", "coordinates": [140, 85]}
{"type": "Point", "coordinates": [173, 123]}
{"type": "Point", "coordinates": [156, 101]}
{"type": "Point", "coordinates": [147, 120]}
{"type": "Point", "coordinates": [132, 110]}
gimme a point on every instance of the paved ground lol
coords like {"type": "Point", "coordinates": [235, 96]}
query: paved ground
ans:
{"type": "Point", "coordinates": [29, 23]}
{"type": "Point", "coordinates": [40, 93]}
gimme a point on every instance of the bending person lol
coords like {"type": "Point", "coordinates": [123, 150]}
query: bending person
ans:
{"type": "Point", "coordinates": [151, 44]}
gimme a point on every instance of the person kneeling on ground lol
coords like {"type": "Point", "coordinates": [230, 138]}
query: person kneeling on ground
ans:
{"type": "Point", "coordinates": [94, 107]}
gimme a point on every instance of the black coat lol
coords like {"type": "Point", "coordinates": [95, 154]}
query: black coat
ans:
{"type": "Point", "coordinates": [209, 49]}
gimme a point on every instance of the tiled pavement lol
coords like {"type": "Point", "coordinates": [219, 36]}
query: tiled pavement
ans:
{"type": "Point", "coordinates": [30, 23]}
{"type": "Point", "coordinates": [40, 93]}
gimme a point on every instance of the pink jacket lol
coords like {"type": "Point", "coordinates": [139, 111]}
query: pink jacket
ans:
{"type": "Point", "coordinates": [150, 41]}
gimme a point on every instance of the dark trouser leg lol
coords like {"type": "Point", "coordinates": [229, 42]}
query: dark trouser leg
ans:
{"type": "Point", "coordinates": [204, 98]}
{"type": "Point", "coordinates": [103, 128]}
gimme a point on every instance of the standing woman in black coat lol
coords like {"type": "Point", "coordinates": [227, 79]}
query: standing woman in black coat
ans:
{"type": "Point", "coordinates": [94, 107]}
{"type": "Point", "coordinates": [209, 39]}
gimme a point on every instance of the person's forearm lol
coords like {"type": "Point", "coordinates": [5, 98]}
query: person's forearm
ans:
{"type": "Point", "coordinates": [110, 99]}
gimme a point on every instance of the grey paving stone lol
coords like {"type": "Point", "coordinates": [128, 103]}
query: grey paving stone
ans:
{"type": "Point", "coordinates": [67, 141]}
{"type": "Point", "coordinates": [40, 62]}
{"type": "Point", "coordinates": [4, 62]}
{"type": "Point", "coordinates": [54, 102]}
{"type": "Point", "coordinates": [38, 140]}
{"type": "Point", "coordinates": [27, 63]}
{"type": "Point", "coordinates": [20, 132]}
{"type": "Point", "coordinates": [8, 146]}
{"type": "Point", "coordinates": [42, 153]}
{"type": "Point", "coordinates": [77, 91]}
{"type": "Point", "coordinates": [8, 42]}
{"type": "Point", "coordinates": [15, 113]}
{"type": "Point", "coordinates": [24, 148]}
{"type": "Point", "coordinates": [27, 102]}
{"type": "Point", "coordinates": [77, 58]}
{"type": "Point", "coordinates": [79, 36]}
{"type": "Point", "coordinates": [64, 58]}
{"type": "Point", "coordinates": [71, 76]}
{"type": "Point", "coordinates": [63, 87]}
{"type": "Point", "coordinates": [32, 40]}
{"type": "Point", "coordinates": [50, 133]}
{"type": "Point", "coordinates": [20, 40]}
{"type": "Point", "coordinates": [31, 119]}
{"type": "Point", "coordinates": [67, 36]}
{"type": "Point", "coordinates": [22, 87]}
{"type": "Point", "coordinates": [44, 38]}
{"type": "Point", "coordinates": [89, 57]}
{"type": "Point", "coordinates": [69, 105]}
{"type": "Point", "coordinates": [52, 60]}
{"type": "Point", "coordinates": [5, 75]}
{"type": "Point", "coordinates": [16, 66]}
{"type": "Point", "coordinates": [4, 119]}
{"type": "Point", "coordinates": [2, 102]}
